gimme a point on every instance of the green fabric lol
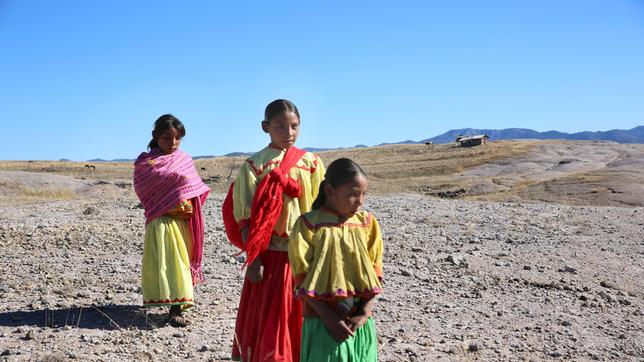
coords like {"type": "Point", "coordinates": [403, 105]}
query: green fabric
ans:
{"type": "Point", "coordinates": [319, 346]}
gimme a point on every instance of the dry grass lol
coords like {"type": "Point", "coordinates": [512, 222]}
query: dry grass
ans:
{"type": "Point", "coordinates": [415, 168]}
{"type": "Point", "coordinates": [56, 194]}
{"type": "Point", "coordinates": [28, 195]}
{"type": "Point", "coordinates": [216, 170]}
{"type": "Point", "coordinates": [390, 168]}
{"type": "Point", "coordinates": [103, 171]}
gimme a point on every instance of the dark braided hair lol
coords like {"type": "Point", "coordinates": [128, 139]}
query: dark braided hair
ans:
{"type": "Point", "coordinates": [340, 172]}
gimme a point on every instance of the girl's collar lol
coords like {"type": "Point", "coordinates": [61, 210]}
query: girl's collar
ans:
{"type": "Point", "coordinates": [341, 219]}
{"type": "Point", "coordinates": [271, 145]}
{"type": "Point", "coordinates": [329, 211]}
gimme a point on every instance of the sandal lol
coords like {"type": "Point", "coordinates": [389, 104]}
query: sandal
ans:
{"type": "Point", "coordinates": [176, 318]}
{"type": "Point", "coordinates": [178, 321]}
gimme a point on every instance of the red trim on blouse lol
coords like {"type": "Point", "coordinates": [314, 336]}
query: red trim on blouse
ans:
{"type": "Point", "coordinates": [315, 164]}
{"type": "Point", "coordinates": [258, 170]}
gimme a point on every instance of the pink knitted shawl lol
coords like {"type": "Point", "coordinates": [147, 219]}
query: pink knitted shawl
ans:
{"type": "Point", "coordinates": [161, 182]}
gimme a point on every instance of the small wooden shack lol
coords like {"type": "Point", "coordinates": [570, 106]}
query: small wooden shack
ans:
{"type": "Point", "coordinates": [470, 141]}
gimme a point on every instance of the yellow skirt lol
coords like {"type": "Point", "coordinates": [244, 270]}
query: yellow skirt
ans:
{"type": "Point", "coordinates": [166, 278]}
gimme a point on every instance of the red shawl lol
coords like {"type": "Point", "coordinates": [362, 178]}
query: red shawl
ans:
{"type": "Point", "coordinates": [161, 182]}
{"type": "Point", "coordinates": [268, 201]}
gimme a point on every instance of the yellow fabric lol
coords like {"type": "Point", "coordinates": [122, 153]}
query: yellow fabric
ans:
{"type": "Point", "coordinates": [309, 172]}
{"type": "Point", "coordinates": [183, 211]}
{"type": "Point", "coordinates": [330, 259]}
{"type": "Point", "coordinates": [166, 278]}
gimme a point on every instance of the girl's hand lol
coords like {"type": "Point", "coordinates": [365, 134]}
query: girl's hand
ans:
{"type": "Point", "coordinates": [337, 328]}
{"type": "Point", "coordinates": [255, 271]}
{"type": "Point", "coordinates": [357, 320]}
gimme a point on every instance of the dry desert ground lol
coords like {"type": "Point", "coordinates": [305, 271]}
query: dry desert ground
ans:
{"type": "Point", "coordinates": [511, 251]}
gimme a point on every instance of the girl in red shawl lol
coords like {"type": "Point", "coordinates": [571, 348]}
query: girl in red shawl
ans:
{"type": "Point", "coordinates": [273, 188]}
{"type": "Point", "coordinates": [172, 194]}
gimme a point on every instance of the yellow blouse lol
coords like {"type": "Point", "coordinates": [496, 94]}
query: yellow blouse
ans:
{"type": "Point", "coordinates": [309, 172]}
{"type": "Point", "coordinates": [332, 259]}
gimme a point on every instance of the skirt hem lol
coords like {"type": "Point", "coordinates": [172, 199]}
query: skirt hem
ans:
{"type": "Point", "coordinates": [169, 304]}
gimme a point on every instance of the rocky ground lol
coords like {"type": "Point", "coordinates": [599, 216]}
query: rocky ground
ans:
{"type": "Point", "coordinates": [464, 281]}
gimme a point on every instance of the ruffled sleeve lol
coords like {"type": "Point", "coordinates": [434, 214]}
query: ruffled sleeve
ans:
{"type": "Point", "coordinates": [243, 191]}
{"type": "Point", "coordinates": [375, 246]}
{"type": "Point", "coordinates": [300, 251]}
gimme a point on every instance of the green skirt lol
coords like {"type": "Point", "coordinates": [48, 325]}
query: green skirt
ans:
{"type": "Point", "coordinates": [319, 346]}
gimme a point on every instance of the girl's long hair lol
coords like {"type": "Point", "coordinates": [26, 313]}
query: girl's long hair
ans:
{"type": "Point", "coordinates": [340, 172]}
{"type": "Point", "coordinates": [162, 124]}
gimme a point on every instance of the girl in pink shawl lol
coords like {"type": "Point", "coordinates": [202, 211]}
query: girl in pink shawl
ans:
{"type": "Point", "coordinates": [172, 194]}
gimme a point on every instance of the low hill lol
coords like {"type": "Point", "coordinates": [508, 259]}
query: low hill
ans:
{"type": "Point", "coordinates": [569, 172]}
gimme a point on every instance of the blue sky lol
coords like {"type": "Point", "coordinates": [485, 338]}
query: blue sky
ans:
{"type": "Point", "coordinates": [86, 79]}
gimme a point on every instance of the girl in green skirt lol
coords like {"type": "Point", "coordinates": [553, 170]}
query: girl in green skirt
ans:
{"type": "Point", "coordinates": [335, 253]}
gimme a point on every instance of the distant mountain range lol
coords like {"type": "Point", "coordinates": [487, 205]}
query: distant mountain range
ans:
{"type": "Point", "coordinates": [114, 160]}
{"type": "Point", "coordinates": [310, 149]}
{"type": "Point", "coordinates": [635, 135]}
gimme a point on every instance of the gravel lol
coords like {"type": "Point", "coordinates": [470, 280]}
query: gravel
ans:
{"type": "Point", "coordinates": [463, 280]}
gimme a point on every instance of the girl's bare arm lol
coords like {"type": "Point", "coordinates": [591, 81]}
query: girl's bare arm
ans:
{"type": "Point", "coordinates": [337, 327]}
{"type": "Point", "coordinates": [362, 314]}
{"type": "Point", "coordinates": [255, 271]}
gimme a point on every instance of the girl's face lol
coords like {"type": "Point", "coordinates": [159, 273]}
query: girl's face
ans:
{"type": "Point", "coordinates": [347, 199]}
{"type": "Point", "coordinates": [169, 140]}
{"type": "Point", "coordinates": [283, 129]}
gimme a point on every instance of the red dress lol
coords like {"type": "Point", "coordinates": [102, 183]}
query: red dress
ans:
{"type": "Point", "coordinates": [269, 319]}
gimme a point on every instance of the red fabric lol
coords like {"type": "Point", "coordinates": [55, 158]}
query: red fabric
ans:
{"type": "Point", "coordinates": [197, 231]}
{"type": "Point", "coordinates": [230, 224]}
{"type": "Point", "coordinates": [269, 319]}
{"type": "Point", "coordinates": [268, 201]}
